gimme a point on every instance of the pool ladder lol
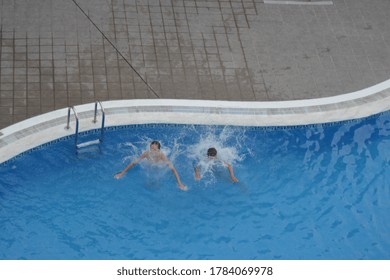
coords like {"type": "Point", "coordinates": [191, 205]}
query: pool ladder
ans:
{"type": "Point", "coordinates": [93, 142]}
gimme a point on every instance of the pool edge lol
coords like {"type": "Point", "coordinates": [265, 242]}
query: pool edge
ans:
{"type": "Point", "coordinates": [41, 129]}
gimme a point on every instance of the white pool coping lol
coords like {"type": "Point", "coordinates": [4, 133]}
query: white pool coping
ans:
{"type": "Point", "coordinates": [41, 129]}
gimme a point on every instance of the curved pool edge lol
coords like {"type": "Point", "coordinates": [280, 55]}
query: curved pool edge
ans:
{"type": "Point", "coordinates": [44, 128]}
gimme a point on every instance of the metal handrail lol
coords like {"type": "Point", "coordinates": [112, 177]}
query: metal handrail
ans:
{"type": "Point", "coordinates": [94, 120]}
{"type": "Point", "coordinates": [77, 122]}
{"type": "Point", "coordinates": [103, 118]}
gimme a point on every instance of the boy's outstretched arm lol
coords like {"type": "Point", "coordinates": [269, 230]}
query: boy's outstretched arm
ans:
{"type": "Point", "coordinates": [170, 165]}
{"type": "Point", "coordinates": [197, 175]}
{"type": "Point", "coordinates": [230, 168]}
{"type": "Point", "coordinates": [120, 174]}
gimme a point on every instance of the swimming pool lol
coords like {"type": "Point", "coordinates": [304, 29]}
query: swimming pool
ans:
{"type": "Point", "coordinates": [305, 192]}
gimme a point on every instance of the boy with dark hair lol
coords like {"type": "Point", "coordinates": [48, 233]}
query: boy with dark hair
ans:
{"type": "Point", "coordinates": [154, 155]}
{"type": "Point", "coordinates": [212, 155]}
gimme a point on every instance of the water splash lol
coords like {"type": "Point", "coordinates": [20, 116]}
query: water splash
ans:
{"type": "Point", "coordinates": [228, 143]}
{"type": "Point", "coordinates": [187, 152]}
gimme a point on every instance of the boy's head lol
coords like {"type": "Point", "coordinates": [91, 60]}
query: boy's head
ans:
{"type": "Point", "coordinates": [156, 143]}
{"type": "Point", "coordinates": [211, 152]}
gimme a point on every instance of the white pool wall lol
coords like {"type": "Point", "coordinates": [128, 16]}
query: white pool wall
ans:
{"type": "Point", "coordinates": [41, 129]}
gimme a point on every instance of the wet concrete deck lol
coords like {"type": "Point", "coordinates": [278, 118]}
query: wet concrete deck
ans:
{"type": "Point", "coordinates": [57, 53]}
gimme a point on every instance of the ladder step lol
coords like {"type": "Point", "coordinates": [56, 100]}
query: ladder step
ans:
{"type": "Point", "coordinates": [89, 143]}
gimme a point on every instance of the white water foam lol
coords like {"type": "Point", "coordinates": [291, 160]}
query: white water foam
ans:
{"type": "Point", "coordinates": [228, 143]}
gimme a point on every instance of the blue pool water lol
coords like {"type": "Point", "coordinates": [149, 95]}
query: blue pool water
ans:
{"type": "Point", "coordinates": [305, 192]}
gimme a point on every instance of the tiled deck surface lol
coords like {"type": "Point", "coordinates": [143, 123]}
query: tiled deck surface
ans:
{"type": "Point", "coordinates": [52, 56]}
